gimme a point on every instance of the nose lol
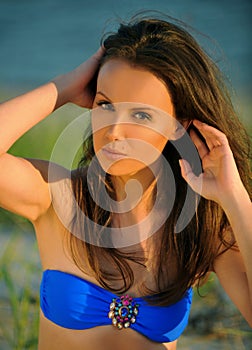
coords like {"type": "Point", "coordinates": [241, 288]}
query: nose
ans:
{"type": "Point", "coordinates": [116, 130]}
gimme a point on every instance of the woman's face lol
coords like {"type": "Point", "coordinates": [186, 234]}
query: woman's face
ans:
{"type": "Point", "coordinates": [132, 118]}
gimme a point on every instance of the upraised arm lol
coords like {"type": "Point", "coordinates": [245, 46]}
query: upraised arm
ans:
{"type": "Point", "coordinates": [220, 181]}
{"type": "Point", "coordinates": [23, 188]}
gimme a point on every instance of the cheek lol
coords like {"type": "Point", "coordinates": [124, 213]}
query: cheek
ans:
{"type": "Point", "coordinates": [98, 140]}
{"type": "Point", "coordinates": [159, 142]}
{"type": "Point", "coordinates": [148, 148]}
{"type": "Point", "coordinates": [151, 140]}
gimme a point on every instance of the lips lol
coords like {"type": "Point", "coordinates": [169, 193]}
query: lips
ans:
{"type": "Point", "coordinates": [112, 153]}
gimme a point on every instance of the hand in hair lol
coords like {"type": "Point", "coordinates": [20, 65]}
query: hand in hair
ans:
{"type": "Point", "coordinates": [220, 177]}
{"type": "Point", "coordinates": [78, 86]}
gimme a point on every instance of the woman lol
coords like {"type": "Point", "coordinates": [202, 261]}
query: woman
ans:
{"type": "Point", "coordinates": [111, 259]}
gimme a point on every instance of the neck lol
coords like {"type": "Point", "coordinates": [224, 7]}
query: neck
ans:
{"type": "Point", "coordinates": [134, 194]}
{"type": "Point", "coordinates": [126, 185]}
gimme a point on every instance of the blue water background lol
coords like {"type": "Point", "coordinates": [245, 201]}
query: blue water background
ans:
{"type": "Point", "coordinates": [41, 39]}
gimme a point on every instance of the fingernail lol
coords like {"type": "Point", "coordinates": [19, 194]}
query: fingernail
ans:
{"type": "Point", "coordinates": [182, 163]}
{"type": "Point", "coordinates": [198, 122]}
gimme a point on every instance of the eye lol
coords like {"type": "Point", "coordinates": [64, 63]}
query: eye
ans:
{"type": "Point", "coordinates": [142, 116]}
{"type": "Point", "coordinates": [105, 105]}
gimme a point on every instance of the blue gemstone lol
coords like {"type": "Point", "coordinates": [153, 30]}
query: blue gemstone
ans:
{"type": "Point", "coordinates": [124, 311]}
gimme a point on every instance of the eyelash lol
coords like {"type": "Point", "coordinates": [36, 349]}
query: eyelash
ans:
{"type": "Point", "coordinates": [107, 106]}
{"type": "Point", "coordinates": [143, 114]}
{"type": "Point", "coordinates": [102, 104]}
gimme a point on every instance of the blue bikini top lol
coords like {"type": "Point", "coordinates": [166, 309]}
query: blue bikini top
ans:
{"type": "Point", "coordinates": [72, 302]}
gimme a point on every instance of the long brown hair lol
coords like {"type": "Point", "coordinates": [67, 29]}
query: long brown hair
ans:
{"type": "Point", "coordinates": [198, 92]}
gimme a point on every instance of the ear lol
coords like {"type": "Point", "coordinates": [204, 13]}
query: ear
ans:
{"type": "Point", "coordinates": [180, 129]}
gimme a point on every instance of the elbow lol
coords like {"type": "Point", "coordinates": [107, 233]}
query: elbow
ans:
{"type": "Point", "coordinates": [248, 316]}
{"type": "Point", "coordinates": [250, 322]}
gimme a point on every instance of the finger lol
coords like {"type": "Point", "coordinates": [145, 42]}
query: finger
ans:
{"type": "Point", "coordinates": [99, 53]}
{"type": "Point", "coordinates": [95, 59]}
{"type": "Point", "coordinates": [201, 146]}
{"type": "Point", "coordinates": [195, 182]}
{"type": "Point", "coordinates": [213, 136]}
{"type": "Point", "coordinates": [201, 135]}
{"type": "Point", "coordinates": [89, 67]}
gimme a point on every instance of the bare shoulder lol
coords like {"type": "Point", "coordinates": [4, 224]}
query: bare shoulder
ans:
{"type": "Point", "coordinates": [58, 182]}
{"type": "Point", "coordinates": [24, 185]}
{"type": "Point", "coordinates": [62, 192]}
{"type": "Point", "coordinates": [48, 170]}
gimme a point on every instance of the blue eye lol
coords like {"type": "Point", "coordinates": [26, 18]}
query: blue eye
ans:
{"type": "Point", "coordinates": [105, 105]}
{"type": "Point", "coordinates": [142, 116]}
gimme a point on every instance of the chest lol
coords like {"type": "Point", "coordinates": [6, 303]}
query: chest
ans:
{"type": "Point", "coordinates": [141, 266]}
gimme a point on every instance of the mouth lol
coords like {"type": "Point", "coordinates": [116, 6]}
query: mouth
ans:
{"type": "Point", "coordinates": [113, 154]}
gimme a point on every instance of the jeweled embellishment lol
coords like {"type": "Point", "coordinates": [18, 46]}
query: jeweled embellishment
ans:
{"type": "Point", "coordinates": [123, 311]}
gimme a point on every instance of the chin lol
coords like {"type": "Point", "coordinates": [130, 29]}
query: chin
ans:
{"type": "Point", "coordinates": [124, 167]}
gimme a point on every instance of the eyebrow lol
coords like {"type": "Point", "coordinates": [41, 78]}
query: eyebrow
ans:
{"type": "Point", "coordinates": [101, 93]}
{"type": "Point", "coordinates": [145, 108]}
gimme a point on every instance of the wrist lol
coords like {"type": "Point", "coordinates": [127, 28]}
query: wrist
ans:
{"type": "Point", "coordinates": [64, 89]}
{"type": "Point", "coordinates": [236, 201]}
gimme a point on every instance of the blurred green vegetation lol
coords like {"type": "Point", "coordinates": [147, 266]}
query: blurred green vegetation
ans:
{"type": "Point", "coordinates": [19, 300]}
{"type": "Point", "coordinates": [39, 142]}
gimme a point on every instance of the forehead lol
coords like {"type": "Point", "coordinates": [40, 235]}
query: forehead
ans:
{"type": "Point", "coordinates": [122, 82]}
